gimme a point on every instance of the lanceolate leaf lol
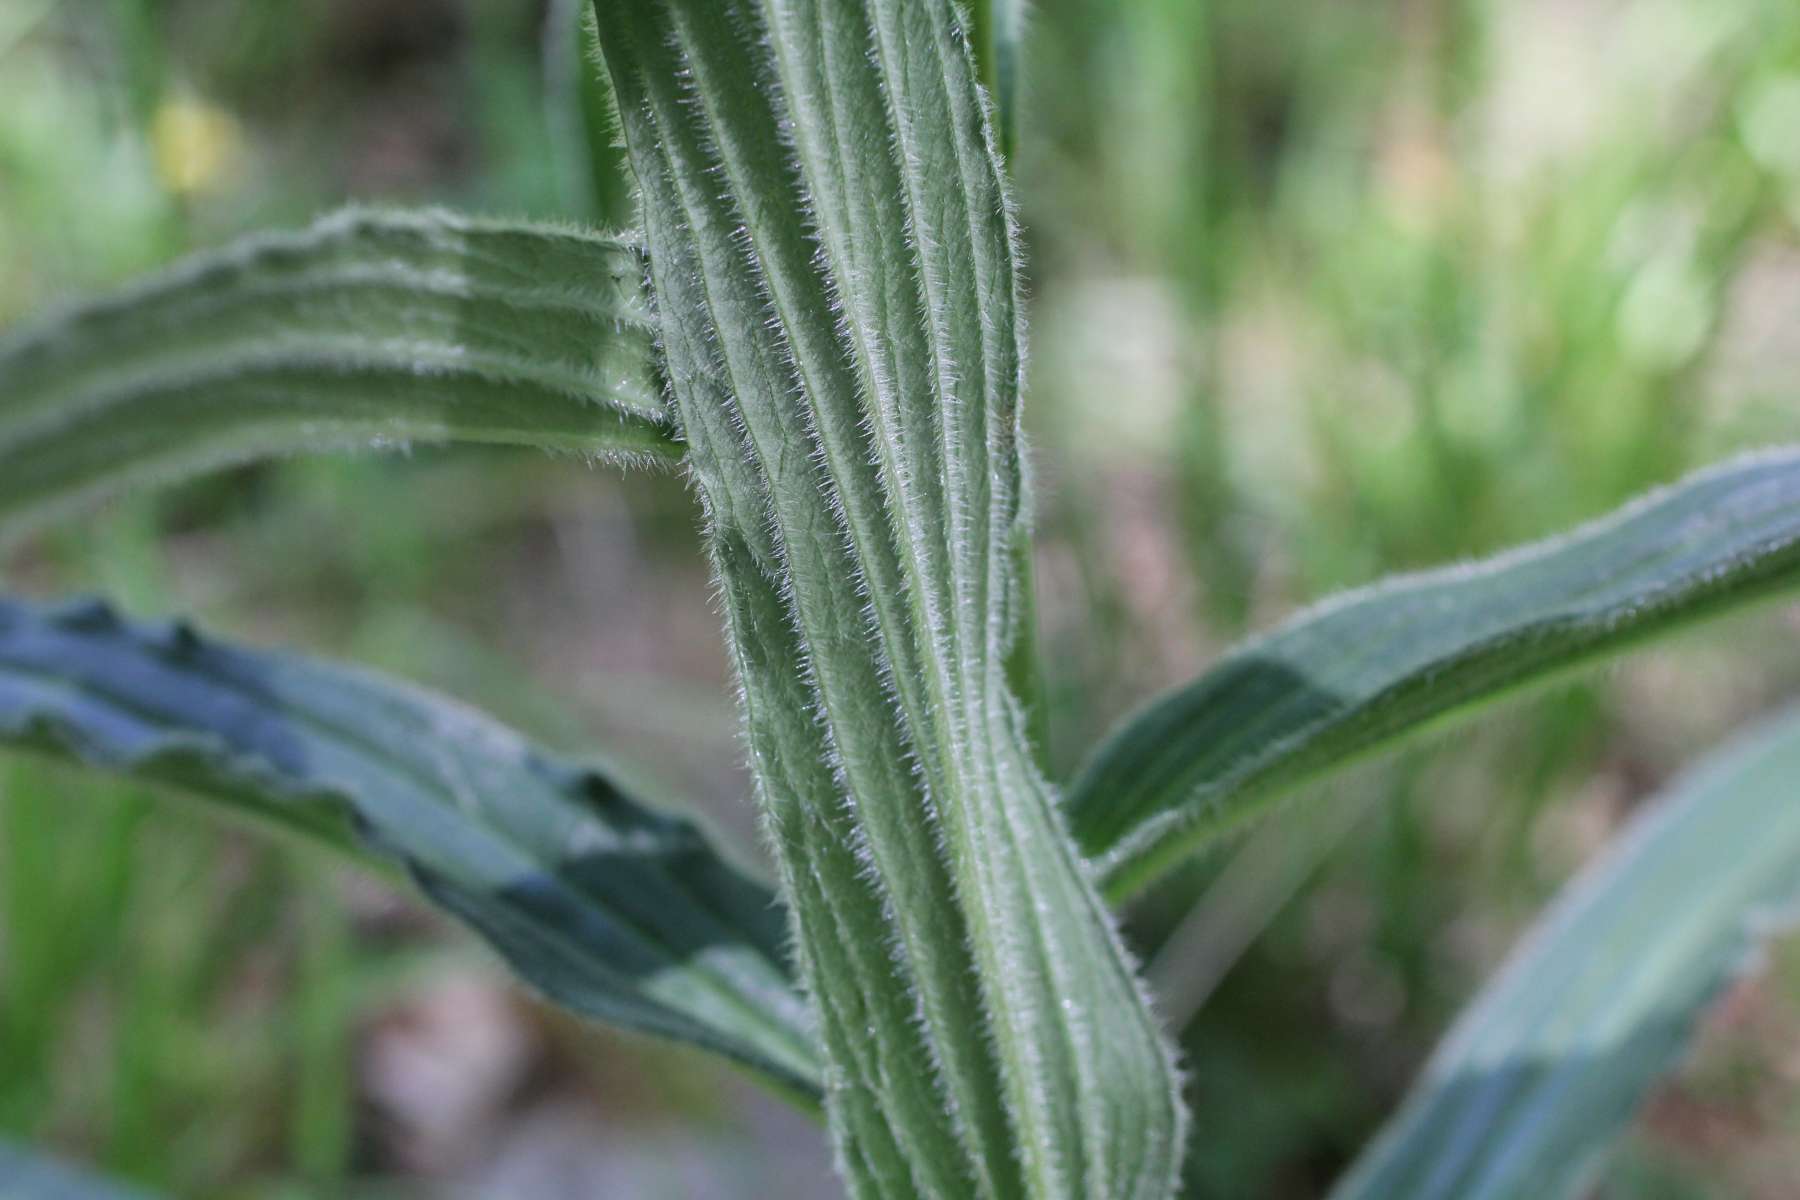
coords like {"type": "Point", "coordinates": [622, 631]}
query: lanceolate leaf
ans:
{"type": "Point", "coordinates": [612, 909]}
{"type": "Point", "coordinates": [370, 328]}
{"type": "Point", "coordinates": [832, 262]}
{"type": "Point", "coordinates": [1373, 666]}
{"type": "Point", "coordinates": [28, 1175]}
{"type": "Point", "coordinates": [1543, 1071]}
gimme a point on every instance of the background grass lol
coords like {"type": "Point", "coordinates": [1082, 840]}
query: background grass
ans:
{"type": "Point", "coordinates": [1320, 290]}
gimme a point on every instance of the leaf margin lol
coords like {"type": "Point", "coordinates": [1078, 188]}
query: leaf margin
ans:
{"type": "Point", "coordinates": [1131, 850]}
{"type": "Point", "coordinates": [1561, 962]}
{"type": "Point", "coordinates": [109, 705]}
{"type": "Point", "coordinates": [369, 327]}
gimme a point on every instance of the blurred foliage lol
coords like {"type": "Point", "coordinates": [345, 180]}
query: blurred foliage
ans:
{"type": "Point", "coordinates": [1329, 290]}
{"type": "Point", "coordinates": [1320, 289]}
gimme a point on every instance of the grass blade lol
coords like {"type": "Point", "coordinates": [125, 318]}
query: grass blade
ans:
{"type": "Point", "coordinates": [369, 328]}
{"type": "Point", "coordinates": [26, 1174]}
{"type": "Point", "coordinates": [848, 385]}
{"type": "Point", "coordinates": [1538, 1077]}
{"type": "Point", "coordinates": [1371, 667]}
{"type": "Point", "coordinates": [617, 911]}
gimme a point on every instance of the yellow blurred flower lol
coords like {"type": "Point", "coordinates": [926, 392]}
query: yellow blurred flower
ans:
{"type": "Point", "coordinates": [196, 145]}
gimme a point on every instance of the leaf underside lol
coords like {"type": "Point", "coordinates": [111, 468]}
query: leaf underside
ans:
{"type": "Point", "coordinates": [369, 328]}
{"type": "Point", "coordinates": [1538, 1077]}
{"type": "Point", "coordinates": [1371, 667]}
{"type": "Point", "coordinates": [832, 261]}
{"type": "Point", "coordinates": [607, 907]}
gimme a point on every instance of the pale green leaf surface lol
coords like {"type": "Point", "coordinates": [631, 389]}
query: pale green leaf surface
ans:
{"type": "Point", "coordinates": [1538, 1077]}
{"type": "Point", "coordinates": [610, 908]}
{"type": "Point", "coordinates": [27, 1174]}
{"type": "Point", "coordinates": [1373, 666]}
{"type": "Point", "coordinates": [832, 260]}
{"type": "Point", "coordinates": [369, 328]}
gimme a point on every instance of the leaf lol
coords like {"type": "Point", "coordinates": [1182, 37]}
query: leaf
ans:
{"type": "Point", "coordinates": [370, 328]}
{"type": "Point", "coordinates": [607, 907]}
{"type": "Point", "coordinates": [831, 255]}
{"type": "Point", "coordinates": [1542, 1072]}
{"type": "Point", "coordinates": [26, 1174]}
{"type": "Point", "coordinates": [1368, 668]}
{"type": "Point", "coordinates": [591, 174]}
{"type": "Point", "coordinates": [999, 27]}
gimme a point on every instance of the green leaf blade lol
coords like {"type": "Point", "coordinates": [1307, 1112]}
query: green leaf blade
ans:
{"type": "Point", "coordinates": [848, 385]}
{"type": "Point", "coordinates": [617, 911]}
{"type": "Point", "coordinates": [999, 30]}
{"type": "Point", "coordinates": [1362, 671]}
{"type": "Point", "coordinates": [1538, 1077]}
{"type": "Point", "coordinates": [369, 328]}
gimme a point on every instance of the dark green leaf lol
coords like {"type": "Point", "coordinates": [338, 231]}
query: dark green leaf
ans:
{"type": "Point", "coordinates": [999, 30]}
{"type": "Point", "coordinates": [613, 909]}
{"type": "Point", "coordinates": [1371, 667]}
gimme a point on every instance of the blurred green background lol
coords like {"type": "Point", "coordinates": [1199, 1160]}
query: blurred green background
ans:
{"type": "Point", "coordinates": [1321, 289]}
